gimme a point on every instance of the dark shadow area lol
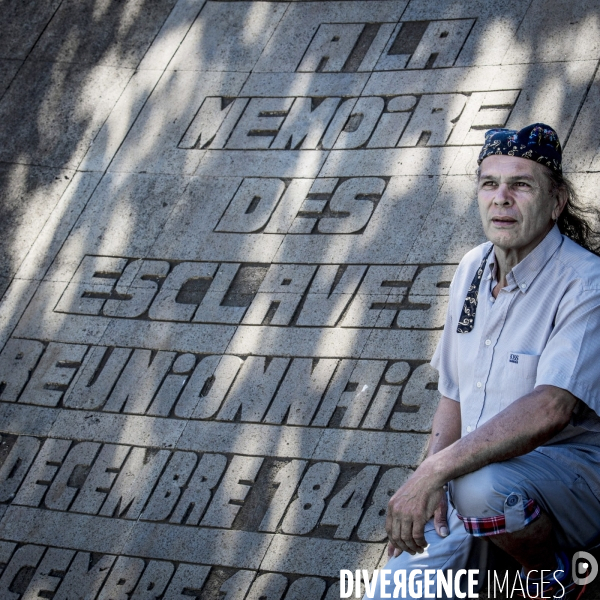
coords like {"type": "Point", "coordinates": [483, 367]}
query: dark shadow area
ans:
{"type": "Point", "coordinates": [74, 60]}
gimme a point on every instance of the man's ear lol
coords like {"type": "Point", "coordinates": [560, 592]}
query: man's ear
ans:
{"type": "Point", "coordinates": [562, 196]}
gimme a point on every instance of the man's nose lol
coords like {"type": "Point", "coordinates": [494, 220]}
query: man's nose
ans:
{"type": "Point", "coordinates": [503, 195]}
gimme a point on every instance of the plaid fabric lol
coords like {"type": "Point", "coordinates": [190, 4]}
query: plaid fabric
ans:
{"type": "Point", "coordinates": [482, 526]}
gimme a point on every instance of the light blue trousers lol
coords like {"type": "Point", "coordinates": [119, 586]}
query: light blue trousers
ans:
{"type": "Point", "coordinates": [562, 494]}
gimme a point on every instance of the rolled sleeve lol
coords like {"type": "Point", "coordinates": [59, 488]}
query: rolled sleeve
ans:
{"type": "Point", "coordinates": [445, 357]}
{"type": "Point", "coordinates": [570, 358]}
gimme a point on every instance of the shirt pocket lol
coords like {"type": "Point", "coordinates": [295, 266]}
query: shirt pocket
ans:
{"type": "Point", "coordinates": [520, 372]}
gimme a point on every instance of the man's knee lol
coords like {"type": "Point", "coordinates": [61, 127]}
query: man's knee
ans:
{"type": "Point", "coordinates": [493, 500]}
{"type": "Point", "coordinates": [479, 494]}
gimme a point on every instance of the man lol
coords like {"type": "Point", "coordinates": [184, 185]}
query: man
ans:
{"type": "Point", "coordinates": [516, 436]}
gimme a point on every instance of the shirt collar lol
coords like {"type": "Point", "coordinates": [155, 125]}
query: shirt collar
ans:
{"type": "Point", "coordinates": [523, 274]}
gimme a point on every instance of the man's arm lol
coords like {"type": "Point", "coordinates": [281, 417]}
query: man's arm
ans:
{"type": "Point", "coordinates": [520, 428]}
{"type": "Point", "coordinates": [445, 430]}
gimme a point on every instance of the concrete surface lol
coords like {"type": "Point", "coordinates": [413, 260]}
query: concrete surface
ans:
{"type": "Point", "coordinates": [227, 232]}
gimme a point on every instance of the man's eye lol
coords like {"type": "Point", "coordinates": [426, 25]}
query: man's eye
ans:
{"type": "Point", "coordinates": [522, 184]}
{"type": "Point", "coordinates": [488, 184]}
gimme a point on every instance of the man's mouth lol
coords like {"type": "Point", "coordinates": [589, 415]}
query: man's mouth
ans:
{"type": "Point", "coordinates": [503, 221]}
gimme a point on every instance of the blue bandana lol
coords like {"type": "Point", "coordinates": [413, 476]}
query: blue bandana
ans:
{"type": "Point", "coordinates": [538, 142]}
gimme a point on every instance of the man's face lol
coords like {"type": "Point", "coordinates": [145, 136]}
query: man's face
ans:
{"type": "Point", "coordinates": [515, 203]}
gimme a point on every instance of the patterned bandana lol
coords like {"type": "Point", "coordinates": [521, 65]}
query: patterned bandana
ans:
{"type": "Point", "coordinates": [538, 142]}
{"type": "Point", "coordinates": [467, 316]}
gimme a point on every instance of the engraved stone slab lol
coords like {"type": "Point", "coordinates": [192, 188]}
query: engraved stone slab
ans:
{"type": "Point", "coordinates": [216, 333]}
{"type": "Point", "coordinates": [28, 198]}
{"type": "Point", "coordinates": [71, 36]}
{"type": "Point", "coordinates": [70, 103]}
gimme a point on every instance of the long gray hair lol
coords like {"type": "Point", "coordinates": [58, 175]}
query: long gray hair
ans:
{"type": "Point", "coordinates": [576, 221]}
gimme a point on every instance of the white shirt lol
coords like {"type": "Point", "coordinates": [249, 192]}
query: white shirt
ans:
{"type": "Point", "coordinates": [542, 329]}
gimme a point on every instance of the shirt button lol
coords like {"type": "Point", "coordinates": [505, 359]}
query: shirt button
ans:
{"type": "Point", "coordinates": [512, 500]}
{"type": "Point", "coordinates": [523, 286]}
{"type": "Point", "coordinates": [469, 429]}
{"type": "Point", "coordinates": [488, 342]}
{"type": "Point", "coordinates": [479, 384]}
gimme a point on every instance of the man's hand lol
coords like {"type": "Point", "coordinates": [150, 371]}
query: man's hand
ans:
{"type": "Point", "coordinates": [440, 522]}
{"type": "Point", "coordinates": [419, 499]}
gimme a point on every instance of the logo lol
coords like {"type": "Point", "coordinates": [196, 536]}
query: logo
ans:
{"type": "Point", "coordinates": [514, 358]}
{"type": "Point", "coordinates": [584, 568]}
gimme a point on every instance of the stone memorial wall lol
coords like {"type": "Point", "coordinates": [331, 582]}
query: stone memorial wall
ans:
{"type": "Point", "coordinates": [231, 228]}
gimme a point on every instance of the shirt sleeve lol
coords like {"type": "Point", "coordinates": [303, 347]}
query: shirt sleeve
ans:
{"type": "Point", "coordinates": [444, 357]}
{"type": "Point", "coordinates": [570, 358]}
